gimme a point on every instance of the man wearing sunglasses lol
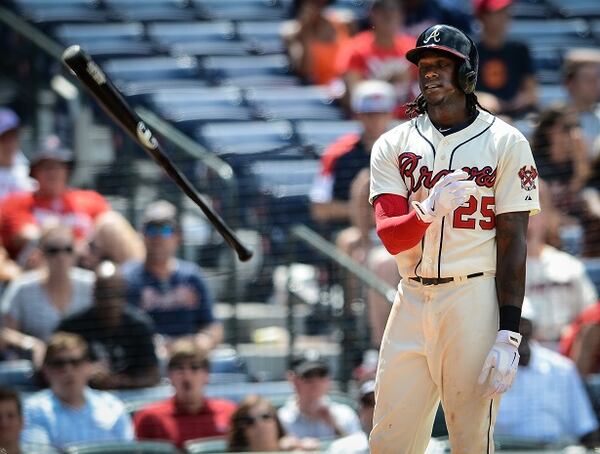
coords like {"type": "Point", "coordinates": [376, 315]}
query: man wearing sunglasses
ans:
{"type": "Point", "coordinates": [69, 411]}
{"type": "Point", "coordinates": [120, 336]}
{"type": "Point", "coordinates": [188, 414]}
{"type": "Point", "coordinates": [170, 290]}
{"type": "Point", "coordinates": [310, 413]}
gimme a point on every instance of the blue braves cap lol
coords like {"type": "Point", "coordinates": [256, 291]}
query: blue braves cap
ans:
{"type": "Point", "coordinates": [8, 120]}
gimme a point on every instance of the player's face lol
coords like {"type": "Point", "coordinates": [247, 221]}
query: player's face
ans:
{"type": "Point", "coordinates": [437, 78]}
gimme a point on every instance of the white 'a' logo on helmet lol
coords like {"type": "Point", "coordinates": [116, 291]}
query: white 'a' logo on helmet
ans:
{"type": "Point", "coordinates": [435, 35]}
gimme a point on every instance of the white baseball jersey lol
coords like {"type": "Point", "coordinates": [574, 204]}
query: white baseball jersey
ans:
{"type": "Point", "coordinates": [411, 158]}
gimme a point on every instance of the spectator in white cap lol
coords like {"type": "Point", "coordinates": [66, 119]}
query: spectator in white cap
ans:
{"type": "Point", "coordinates": [340, 194]}
{"type": "Point", "coordinates": [547, 402]}
{"type": "Point", "coordinates": [372, 103]}
{"type": "Point", "coordinates": [14, 168]}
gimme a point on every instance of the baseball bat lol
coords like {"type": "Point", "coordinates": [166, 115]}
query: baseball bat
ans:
{"type": "Point", "coordinates": [113, 103]}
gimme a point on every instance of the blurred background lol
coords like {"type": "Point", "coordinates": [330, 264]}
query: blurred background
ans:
{"type": "Point", "coordinates": [270, 109]}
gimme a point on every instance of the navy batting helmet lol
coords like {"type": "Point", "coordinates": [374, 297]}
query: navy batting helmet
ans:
{"type": "Point", "coordinates": [451, 40]}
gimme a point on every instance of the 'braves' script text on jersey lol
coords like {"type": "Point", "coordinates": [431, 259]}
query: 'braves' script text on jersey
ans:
{"type": "Point", "coordinates": [411, 158]}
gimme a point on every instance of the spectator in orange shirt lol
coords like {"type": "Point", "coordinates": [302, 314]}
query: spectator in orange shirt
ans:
{"type": "Point", "coordinates": [314, 39]}
{"type": "Point", "coordinates": [380, 53]}
{"type": "Point", "coordinates": [24, 214]}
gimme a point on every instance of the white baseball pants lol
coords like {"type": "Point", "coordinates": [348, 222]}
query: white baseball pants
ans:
{"type": "Point", "coordinates": [434, 345]}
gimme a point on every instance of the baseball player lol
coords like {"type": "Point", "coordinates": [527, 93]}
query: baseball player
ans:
{"type": "Point", "coordinates": [452, 190]}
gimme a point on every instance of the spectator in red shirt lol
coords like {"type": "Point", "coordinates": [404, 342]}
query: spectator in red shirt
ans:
{"type": "Point", "coordinates": [581, 341]}
{"type": "Point", "coordinates": [24, 214]}
{"type": "Point", "coordinates": [380, 53]}
{"type": "Point", "coordinates": [188, 414]}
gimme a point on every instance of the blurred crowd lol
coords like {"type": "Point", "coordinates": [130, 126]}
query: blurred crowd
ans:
{"type": "Point", "coordinates": [98, 304]}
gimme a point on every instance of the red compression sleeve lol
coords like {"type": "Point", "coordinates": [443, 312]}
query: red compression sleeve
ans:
{"type": "Point", "coordinates": [398, 229]}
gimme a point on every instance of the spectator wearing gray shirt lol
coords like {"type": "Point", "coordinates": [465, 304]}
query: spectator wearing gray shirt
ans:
{"type": "Point", "coordinates": [310, 413]}
{"type": "Point", "coordinates": [34, 304]}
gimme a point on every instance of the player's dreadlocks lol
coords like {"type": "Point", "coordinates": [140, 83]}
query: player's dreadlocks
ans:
{"type": "Point", "coordinates": [419, 105]}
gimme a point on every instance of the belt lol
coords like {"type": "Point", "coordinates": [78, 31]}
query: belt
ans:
{"type": "Point", "coordinates": [441, 280]}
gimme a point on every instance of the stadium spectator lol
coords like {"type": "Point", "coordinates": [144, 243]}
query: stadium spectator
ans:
{"type": "Point", "coordinates": [581, 77]}
{"type": "Point", "coordinates": [340, 196]}
{"type": "Point", "coordinates": [372, 103]}
{"type": "Point", "coordinates": [11, 421]}
{"type": "Point", "coordinates": [69, 411]}
{"type": "Point", "coordinates": [170, 290]}
{"type": "Point", "coordinates": [358, 443]}
{"type": "Point", "coordinates": [34, 304]}
{"type": "Point", "coordinates": [313, 39]}
{"type": "Point", "coordinates": [24, 214]}
{"type": "Point", "coordinates": [547, 402]}
{"type": "Point", "coordinates": [422, 14]}
{"type": "Point", "coordinates": [255, 427]}
{"type": "Point", "coordinates": [581, 341]}
{"type": "Point", "coordinates": [14, 168]}
{"type": "Point", "coordinates": [310, 413]}
{"type": "Point", "coordinates": [120, 337]}
{"type": "Point", "coordinates": [113, 239]}
{"type": "Point", "coordinates": [506, 75]}
{"type": "Point", "coordinates": [189, 414]}
{"type": "Point", "coordinates": [561, 157]}
{"type": "Point", "coordinates": [557, 285]}
{"type": "Point", "coordinates": [379, 54]}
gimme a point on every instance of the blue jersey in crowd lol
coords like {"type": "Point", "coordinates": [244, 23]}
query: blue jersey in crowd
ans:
{"type": "Point", "coordinates": [178, 305]}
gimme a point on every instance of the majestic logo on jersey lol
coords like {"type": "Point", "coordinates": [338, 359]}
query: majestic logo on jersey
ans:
{"type": "Point", "coordinates": [415, 177]}
{"type": "Point", "coordinates": [528, 174]}
{"type": "Point", "coordinates": [435, 35]}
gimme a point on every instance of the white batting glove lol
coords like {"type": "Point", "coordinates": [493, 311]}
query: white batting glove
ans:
{"type": "Point", "coordinates": [450, 192]}
{"type": "Point", "coordinates": [501, 363]}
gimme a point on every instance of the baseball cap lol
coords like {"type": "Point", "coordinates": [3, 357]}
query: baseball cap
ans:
{"type": "Point", "coordinates": [160, 212]}
{"type": "Point", "coordinates": [490, 6]}
{"type": "Point", "coordinates": [51, 148]}
{"type": "Point", "coordinates": [8, 120]}
{"type": "Point", "coordinates": [366, 388]}
{"type": "Point", "coordinates": [373, 96]}
{"type": "Point", "coordinates": [309, 361]}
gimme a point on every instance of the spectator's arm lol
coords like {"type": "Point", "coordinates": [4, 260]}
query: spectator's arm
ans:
{"type": "Point", "coordinates": [527, 96]}
{"type": "Point", "coordinates": [143, 378]}
{"type": "Point", "coordinates": [210, 336]}
{"type": "Point", "coordinates": [581, 161]}
{"type": "Point", "coordinates": [361, 211]}
{"type": "Point", "coordinates": [586, 349]}
{"type": "Point", "coordinates": [335, 210]}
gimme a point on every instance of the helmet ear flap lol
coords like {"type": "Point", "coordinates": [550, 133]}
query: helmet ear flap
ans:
{"type": "Point", "coordinates": [467, 77]}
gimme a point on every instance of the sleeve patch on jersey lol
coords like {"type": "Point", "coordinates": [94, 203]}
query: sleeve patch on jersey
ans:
{"type": "Point", "coordinates": [528, 175]}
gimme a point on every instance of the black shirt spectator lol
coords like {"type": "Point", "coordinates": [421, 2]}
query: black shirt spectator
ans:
{"type": "Point", "coordinates": [127, 348]}
{"type": "Point", "coordinates": [502, 70]}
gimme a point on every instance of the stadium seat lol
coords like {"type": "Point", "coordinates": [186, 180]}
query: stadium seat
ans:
{"type": "Point", "coordinates": [239, 9]}
{"type": "Point", "coordinates": [152, 68]}
{"type": "Point", "coordinates": [146, 88]}
{"type": "Point", "coordinates": [219, 69]}
{"type": "Point", "coordinates": [577, 8]}
{"type": "Point", "coordinates": [320, 134]}
{"type": "Point", "coordinates": [238, 136]}
{"type": "Point", "coordinates": [152, 10]}
{"type": "Point", "coordinates": [18, 374]}
{"type": "Point", "coordinates": [212, 48]}
{"type": "Point", "coordinates": [294, 103]}
{"type": "Point", "coordinates": [139, 447]}
{"type": "Point", "coordinates": [206, 97]}
{"type": "Point", "coordinates": [107, 32]}
{"type": "Point", "coordinates": [206, 445]}
{"type": "Point", "coordinates": [592, 267]}
{"type": "Point", "coordinates": [263, 36]}
{"type": "Point", "coordinates": [226, 361]}
{"type": "Point", "coordinates": [45, 16]}
{"type": "Point", "coordinates": [550, 94]}
{"type": "Point", "coordinates": [168, 34]}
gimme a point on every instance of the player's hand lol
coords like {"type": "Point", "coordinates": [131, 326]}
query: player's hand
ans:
{"type": "Point", "coordinates": [450, 192]}
{"type": "Point", "coordinates": [501, 364]}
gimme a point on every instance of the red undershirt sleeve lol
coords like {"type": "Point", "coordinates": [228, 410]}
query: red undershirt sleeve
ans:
{"type": "Point", "coordinates": [398, 229]}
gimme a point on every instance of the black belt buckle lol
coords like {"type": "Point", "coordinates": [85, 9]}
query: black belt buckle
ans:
{"type": "Point", "coordinates": [440, 280]}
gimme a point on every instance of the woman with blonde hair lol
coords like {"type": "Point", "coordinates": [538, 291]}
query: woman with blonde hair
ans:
{"type": "Point", "coordinates": [34, 303]}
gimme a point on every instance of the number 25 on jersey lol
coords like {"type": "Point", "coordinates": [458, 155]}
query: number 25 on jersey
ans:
{"type": "Point", "coordinates": [464, 218]}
